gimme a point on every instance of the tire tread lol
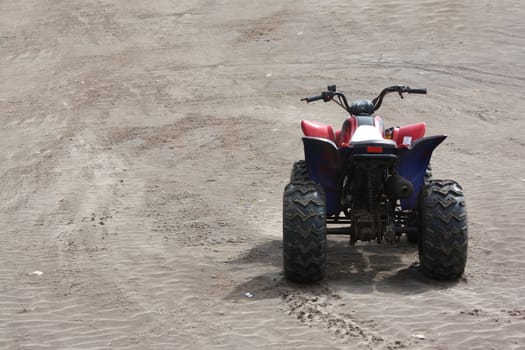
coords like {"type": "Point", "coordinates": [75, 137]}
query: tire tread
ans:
{"type": "Point", "coordinates": [304, 232]}
{"type": "Point", "coordinates": [444, 230]}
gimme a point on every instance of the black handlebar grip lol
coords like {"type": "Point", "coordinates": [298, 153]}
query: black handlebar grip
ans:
{"type": "Point", "coordinates": [312, 99]}
{"type": "Point", "coordinates": [417, 91]}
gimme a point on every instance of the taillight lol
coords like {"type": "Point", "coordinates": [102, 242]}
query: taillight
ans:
{"type": "Point", "coordinates": [374, 149]}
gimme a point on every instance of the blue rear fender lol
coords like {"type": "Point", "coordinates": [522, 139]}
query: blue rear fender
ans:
{"type": "Point", "coordinates": [324, 167]}
{"type": "Point", "coordinates": [412, 165]}
{"type": "Point", "coordinates": [324, 163]}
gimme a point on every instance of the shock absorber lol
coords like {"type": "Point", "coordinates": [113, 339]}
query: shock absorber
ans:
{"type": "Point", "coordinates": [373, 205]}
{"type": "Point", "coordinates": [371, 189]}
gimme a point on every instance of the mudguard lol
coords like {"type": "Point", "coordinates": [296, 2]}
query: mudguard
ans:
{"type": "Point", "coordinates": [324, 167]}
{"type": "Point", "coordinates": [412, 165]}
{"type": "Point", "coordinates": [315, 129]}
{"type": "Point", "coordinates": [407, 134]}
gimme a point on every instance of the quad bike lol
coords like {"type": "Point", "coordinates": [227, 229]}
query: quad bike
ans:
{"type": "Point", "coordinates": [370, 183]}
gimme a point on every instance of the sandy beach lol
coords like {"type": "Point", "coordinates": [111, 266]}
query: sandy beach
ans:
{"type": "Point", "coordinates": [145, 146]}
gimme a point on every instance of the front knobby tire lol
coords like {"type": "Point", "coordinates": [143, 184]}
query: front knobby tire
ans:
{"type": "Point", "coordinates": [444, 230]}
{"type": "Point", "coordinates": [304, 232]}
{"type": "Point", "coordinates": [428, 174]}
{"type": "Point", "coordinates": [299, 172]}
{"type": "Point", "coordinates": [413, 237]}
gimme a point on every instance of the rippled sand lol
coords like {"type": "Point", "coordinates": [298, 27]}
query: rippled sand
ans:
{"type": "Point", "coordinates": [144, 147]}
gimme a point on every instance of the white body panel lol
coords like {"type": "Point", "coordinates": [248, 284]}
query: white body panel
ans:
{"type": "Point", "coordinates": [367, 133]}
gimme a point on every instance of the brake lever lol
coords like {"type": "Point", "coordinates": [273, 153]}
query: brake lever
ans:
{"type": "Point", "coordinates": [400, 94]}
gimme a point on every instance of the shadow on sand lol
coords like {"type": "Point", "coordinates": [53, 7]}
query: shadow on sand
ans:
{"type": "Point", "coordinates": [361, 269]}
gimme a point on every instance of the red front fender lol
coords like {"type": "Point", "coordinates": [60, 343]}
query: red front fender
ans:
{"type": "Point", "coordinates": [315, 129]}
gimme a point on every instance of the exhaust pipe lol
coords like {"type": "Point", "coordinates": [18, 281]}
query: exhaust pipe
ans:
{"type": "Point", "coordinates": [399, 187]}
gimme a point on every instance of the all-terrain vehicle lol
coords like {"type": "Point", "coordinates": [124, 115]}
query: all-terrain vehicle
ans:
{"type": "Point", "coordinates": [370, 183]}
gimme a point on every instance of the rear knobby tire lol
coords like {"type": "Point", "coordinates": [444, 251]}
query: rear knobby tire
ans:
{"type": "Point", "coordinates": [444, 230]}
{"type": "Point", "coordinates": [299, 172]}
{"type": "Point", "coordinates": [304, 232]}
{"type": "Point", "coordinates": [428, 174]}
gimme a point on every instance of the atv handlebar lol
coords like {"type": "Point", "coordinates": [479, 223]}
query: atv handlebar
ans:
{"type": "Point", "coordinates": [325, 96]}
{"type": "Point", "coordinates": [417, 91]}
{"type": "Point", "coordinates": [342, 101]}
{"type": "Point", "coordinates": [312, 99]}
{"type": "Point", "coordinates": [396, 88]}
